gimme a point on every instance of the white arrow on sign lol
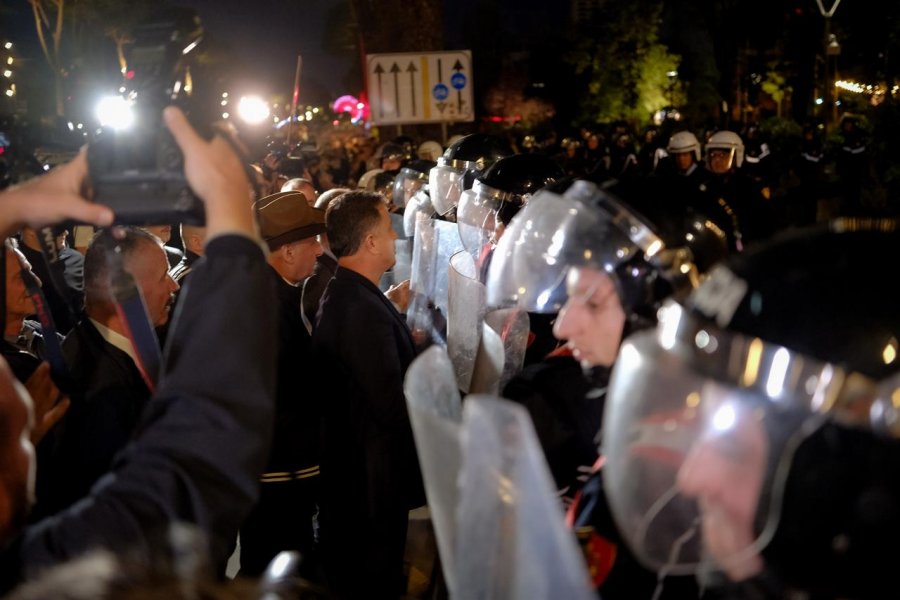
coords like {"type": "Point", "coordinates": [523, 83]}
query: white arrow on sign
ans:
{"type": "Point", "coordinates": [425, 95]}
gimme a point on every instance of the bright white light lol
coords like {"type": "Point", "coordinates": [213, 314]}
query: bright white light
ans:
{"type": "Point", "coordinates": [7, 73]}
{"type": "Point", "coordinates": [253, 109]}
{"type": "Point", "coordinates": [115, 112]}
{"type": "Point", "coordinates": [225, 115]}
{"type": "Point", "coordinates": [80, 126]}
{"type": "Point", "coordinates": [777, 373]}
{"type": "Point", "coordinates": [7, 45]}
{"type": "Point", "coordinates": [71, 126]}
{"type": "Point", "coordinates": [819, 101]}
{"type": "Point", "coordinates": [224, 94]}
{"type": "Point", "coordinates": [9, 60]}
{"type": "Point", "coordinates": [724, 418]}
{"type": "Point", "coordinates": [122, 90]}
{"type": "Point", "coordinates": [10, 93]}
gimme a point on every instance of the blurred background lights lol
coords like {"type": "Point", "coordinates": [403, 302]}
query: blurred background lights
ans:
{"type": "Point", "coordinates": [253, 110]}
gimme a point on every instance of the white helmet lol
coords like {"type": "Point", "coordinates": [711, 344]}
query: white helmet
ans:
{"type": "Point", "coordinates": [727, 140]}
{"type": "Point", "coordinates": [367, 181]}
{"type": "Point", "coordinates": [684, 141]}
{"type": "Point", "coordinates": [430, 150]}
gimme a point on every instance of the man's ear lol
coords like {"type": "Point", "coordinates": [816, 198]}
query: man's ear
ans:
{"type": "Point", "coordinates": [370, 241]}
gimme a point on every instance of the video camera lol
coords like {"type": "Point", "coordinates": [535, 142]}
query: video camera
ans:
{"type": "Point", "coordinates": [139, 171]}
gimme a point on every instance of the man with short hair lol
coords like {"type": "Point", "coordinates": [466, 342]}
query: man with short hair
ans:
{"type": "Point", "coordinates": [108, 389]}
{"type": "Point", "coordinates": [184, 465]}
{"type": "Point", "coordinates": [283, 519]}
{"type": "Point", "coordinates": [326, 266]}
{"type": "Point", "coordinates": [304, 186]}
{"type": "Point", "coordinates": [370, 470]}
{"type": "Point", "coordinates": [164, 233]}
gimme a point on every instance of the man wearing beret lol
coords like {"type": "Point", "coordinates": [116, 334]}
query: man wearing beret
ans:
{"type": "Point", "coordinates": [283, 517]}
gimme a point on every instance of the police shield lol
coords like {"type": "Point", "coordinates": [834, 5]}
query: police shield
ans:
{"type": "Point", "coordinates": [511, 539]}
{"type": "Point", "coordinates": [435, 411]}
{"type": "Point", "coordinates": [433, 245]}
{"type": "Point", "coordinates": [402, 256]}
{"type": "Point", "coordinates": [465, 314]}
{"type": "Point", "coordinates": [501, 351]}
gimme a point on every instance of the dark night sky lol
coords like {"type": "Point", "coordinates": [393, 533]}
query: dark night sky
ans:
{"type": "Point", "coordinates": [269, 34]}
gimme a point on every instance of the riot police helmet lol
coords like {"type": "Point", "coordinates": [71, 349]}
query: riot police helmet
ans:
{"type": "Point", "coordinates": [461, 162]}
{"type": "Point", "coordinates": [756, 431]}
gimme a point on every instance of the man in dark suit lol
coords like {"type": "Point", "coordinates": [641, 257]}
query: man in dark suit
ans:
{"type": "Point", "coordinates": [370, 470]}
{"type": "Point", "coordinates": [185, 464]}
{"type": "Point", "coordinates": [326, 266]}
{"type": "Point", "coordinates": [283, 519]}
{"type": "Point", "coordinates": [108, 390]}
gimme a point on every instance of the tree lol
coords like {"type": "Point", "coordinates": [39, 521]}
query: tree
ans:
{"type": "Point", "coordinates": [115, 19]}
{"type": "Point", "coordinates": [48, 20]}
{"type": "Point", "coordinates": [625, 66]}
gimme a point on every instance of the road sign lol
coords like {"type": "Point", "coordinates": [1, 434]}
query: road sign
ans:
{"type": "Point", "coordinates": [412, 87]}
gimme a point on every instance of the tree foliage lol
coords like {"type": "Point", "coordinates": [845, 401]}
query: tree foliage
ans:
{"type": "Point", "coordinates": [624, 64]}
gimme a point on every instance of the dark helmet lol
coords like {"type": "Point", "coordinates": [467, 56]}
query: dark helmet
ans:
{"type": "Point", "coordinates": [498, 194]}
{"type": "Point", "coordinates": [769, 404]}
{"type": "Point", "coordinates": [407, 144]}
{"type": "Point", "coordinates": [392, 151]}
{"type": "Point", "coordinates": [412, 177]}
{"type": "Point", "coordinates": [462, 161]}
{"type": "Point", "coordinates": [586, 226]}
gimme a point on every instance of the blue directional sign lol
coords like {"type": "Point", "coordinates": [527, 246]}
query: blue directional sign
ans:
{"type": "Point", "coordinates": [440, 92]}
{"type": "Point", "coordinates": [428, 87]}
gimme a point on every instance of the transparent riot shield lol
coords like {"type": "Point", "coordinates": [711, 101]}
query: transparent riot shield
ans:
{"type": "Point", "coordinates": [501, 351]}
{"type": "Point", "coordinates": [511, 538]}
{"type": "Point", "coordinates": [466, 306]}
{"type": "Point", "coordinates": [435, 411]}
{"type": "Point", "coordinates": [433, 245]}
{"type": "Point", "coordinates": [402, 253]}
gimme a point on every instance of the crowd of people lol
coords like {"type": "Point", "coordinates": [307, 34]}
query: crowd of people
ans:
{"type": "Point", "coordinates": [712, 376]}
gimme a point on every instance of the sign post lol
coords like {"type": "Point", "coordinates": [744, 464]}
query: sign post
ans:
{"type": "Point", "coordinates": [411, 87]}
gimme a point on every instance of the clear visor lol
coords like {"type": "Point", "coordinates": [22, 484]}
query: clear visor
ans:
{"type": "Point", "coordinates": [406, 184]}
{"type": "Point", "coordinates": [548, 236]}
{"type": "Point", "coordinates": [699, 432]}
{"type": "Point", "coordinates": [445, 185]}
{"type": "Point", "coordinates": [418, 203]}
{"type": "Point", "coordinates": [476, 217]}
{"type": "Point", "coordinates": [720, 160]}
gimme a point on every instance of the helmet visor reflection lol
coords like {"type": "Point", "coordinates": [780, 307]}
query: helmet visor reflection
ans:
{"type": "Point", "coordinates": [695, 467]}
{"type": "Point", "coordinates": [445, 185]}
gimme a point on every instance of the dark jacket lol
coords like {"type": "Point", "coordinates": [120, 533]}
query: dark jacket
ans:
{"type": "Point", "coordinates": [64, 303]}
{"type": "Point", "coordinates": [185, 463]}
{"type": "Point", "coordinates": [315, 285]}
{"type": "Point", "coordinates": [108, 398]}
{"type": "Point", "coordinates": [370, 470]}
{"type": "Point", "coordinates": [295, 446]}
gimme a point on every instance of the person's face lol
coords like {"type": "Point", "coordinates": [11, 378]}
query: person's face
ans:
{"type": "Point", "coordinates": [592, 319]}
{"type": "Point", "coordinates": [150, 269]}
{"type": "Point", "coordinates": [720, 160]}
{"type": "Point", "coordinates": [17, 462]}
{"type": "Point", "coordinates": [593, 142]}
{"type": "Point", "coordinates": [163, 232]}
{"type": "Point", "coordinates": [305, 252]}
{"type": "Point", "coordinates": [683, 160]}
{"type": "Point", "coordinates": [390, 164]}
{"type": "Point", "coordinates": [18, 302]}
{"type": "Point", "coordinates": [724, 473]}
{"type": "Point", "coordinates": [384, 236]}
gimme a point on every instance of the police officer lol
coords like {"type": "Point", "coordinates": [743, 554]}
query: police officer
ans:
{"type": "Point", "coordinates": [461, 163]}
{"type": "Point", "coordinates": [737, 194]}
{"type": "Point", "coordinates": [605, 268]}
{"type": "Point", "coordinates": [751, 439]}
